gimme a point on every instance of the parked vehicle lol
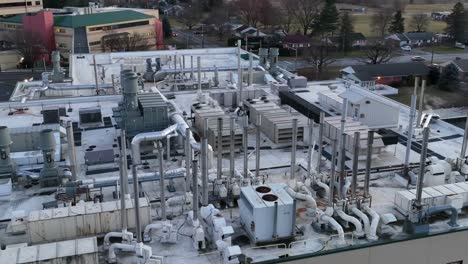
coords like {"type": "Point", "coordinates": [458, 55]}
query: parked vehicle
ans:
{"type": "Point", "coordinates": [417, 58]}
{"type": "Point", "coordinates": [405, 48]}
{"type": "Point", "coordinates": [459, 45]}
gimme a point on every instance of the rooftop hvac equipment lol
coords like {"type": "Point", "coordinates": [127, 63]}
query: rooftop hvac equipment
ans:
{"type": "Point", "coordinates": [51, 115]}
{"type": "Point", "coordinates": [6, 165]}
{"type": "Point", "coordinates": [50, 175]}
{"type": "Point", "coordinates": [90, 115]}
{"type": "Point", "coordinates": [267, 212]}
{"type": "Point", "coordinates": [83, 250]}
{"type": "Point", "coordinates": [83, 219]}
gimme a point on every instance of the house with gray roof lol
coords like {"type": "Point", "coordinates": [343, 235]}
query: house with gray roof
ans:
{"type": "Point", "coordinates": [388, 74]}
{"type": "Point", "coordinates": [412, 38]}
{"type": "Point", "coordinates": [461, 65]}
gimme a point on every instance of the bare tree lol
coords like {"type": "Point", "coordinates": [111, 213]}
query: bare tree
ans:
{"type": "Point", "coordinates": [124, 42]}
{"type": "Point", "coordinates": [191, 16]}
{"type": "Point", "coordinates": [268, 15]}
{"type": "Point", "coordinates": [381, 21]}
{"type": "Point", "coordinates": [321, 56]}
{"type": "Point", "coordinates": [305, 12]}
{"type": "Point", "coordinates": [377, 53]}
{"type": "Point", "coordinates": [286, 14]}
{"type": "Point", "coordinates": [250, 11]}
{"type": "Point", "coordinates": [420, 22]}
{"type": "Point", "coordinates": [29, 45]}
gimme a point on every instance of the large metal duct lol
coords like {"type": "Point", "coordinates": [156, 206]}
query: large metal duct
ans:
{"type": "Point", "coordinates": [49, 175]}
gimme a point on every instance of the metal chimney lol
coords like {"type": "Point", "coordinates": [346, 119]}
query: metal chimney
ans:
{"type": "Point", "coordinates": [320, 142]}
{"type": "Point", "coordinates": [219, 148]}
{"type": "Point", "coordinates": [274, 53]}
{"type": "Point", "coordinates": [464, 144]}
{"type": "Point", "coordinates": [49, 176]}
{"type": "Point", "coordinates": [130, 90]}
{"type": "Point", "coordinates": [332, 173]}
{"type": "Point", "coordinates": [71, 150]}
{"type": "Point", "coordinates": [357, 142]}
{"type": "Point", "coordinates": [263, 54]}
{"type": "Point", "coordinates": [422, 167]}
{"type": "Point", "coordinates": [293, 148]}
{"type": "Point", "coordinates": [257, 146]}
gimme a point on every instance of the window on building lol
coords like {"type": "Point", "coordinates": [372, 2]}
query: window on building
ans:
{"type": "Point", "coordinates": [29, 3]}
{"type": "Point", "coordinates": [94, 43]}
{"type": "Point", "coordinates": [59, 30]}
{"type": "Point", "coordinates": [38, 2]}
{"type": "Point", "coordinates": [362, 116]}
{"type": "Point", "coordinates": [118, 26]}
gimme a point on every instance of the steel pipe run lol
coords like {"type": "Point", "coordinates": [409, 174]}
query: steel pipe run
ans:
{"type": "Point", "coordinates": [204, 171]}
{"type": "Point", "coordinates": [375, 218]}
{"type": "Point", "coordinates": [123, 155]}
{"type": "Point", "coordinates": [293, 149]}
{"type": "Point", "coordinates": [333, 223]}
{"type": "Point", "coordinates": [188, 158]}
{"type": "Point", "coordinates": [364, 219]}
{"type": "Point", "coordinates": [309, 151]}
{"type": "Point", "coordinates": [443, 208]}
{"type": "Point", "coordinates": [245, 146]}
{"type": "Point", "coordinates": [162, 186]}
{"type": "Point", "coordinates": [370, 143]}
{"type": "Point", "coordinates": [422, 167]}
{"type": "Point", "coordinates": [195, 189]}
{"type": "Point", "coordinates": [409, 140]}
{"type": "Point", "coordinates": [250, 68]}
{"type": "Point", "coordinates": [332, 174]}
{"type": "Point", "coordinates": [239, 72]}
{"type": "Point", "coordinates": [357, 142]}
{"type": "Point", "coordinates": [311, 204]}
{"type": "Point", "coordinates": [421, 101]}
{"type": "Point", "coordinates": [320, 141]}
{"type": "Point", "coordinates": [136, 160]}
{"type": "Point", "coordinates": [231, 147]}
{"type": "Point", "coordinates": [342, 179]}
{"type": "Point", "coordinates": [353, 220]}
{"type": "Point", "coordinates": [123, 194]}
{"type": "Point", "coordinates": [219, 148]}
{"type": "Point", "coordinates": [71, 150]}
{"type": "Point", "coordinates": [148, 229]}
{"type": "Point", "coordinates": [257, 146]}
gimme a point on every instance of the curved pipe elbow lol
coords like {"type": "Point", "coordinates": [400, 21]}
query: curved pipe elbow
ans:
{"type": "Point", "coordinates": [364, 219]}
{"type": "Point", "coordinates": [112, 258]}
{"type": "Point", "coordinates": [374, 223]}
{"type": "Point", "coordinates": [148, 229]}
{"type": "Point", "coordinates": [310, 201]}
{"type": "Point", "coordinates": [325, 187]}
{"type": "Point", "coordinates": [150, 136]}
{"type": "Point", "coordinates": [332, 222]}
{"type": "Point", "coordinates": [353, 220]}
{"type": "Point", "coordinates": [125, 235]}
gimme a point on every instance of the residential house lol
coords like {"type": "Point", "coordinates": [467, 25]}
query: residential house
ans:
{"type": "Point", "coordinates": [296, 41]}
{"type": "Point", "coordinates": [414, 39]}
{"type": "Point", "coordinates": [357, 40]}
{"type": "Point", "coordinates": [388, 74]}
{"type": "Point", "coordinates": [247, 31]}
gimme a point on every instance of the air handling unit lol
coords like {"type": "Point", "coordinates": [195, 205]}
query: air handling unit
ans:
{"type": "Point", "coordinates": [267, 213]}
{"type": "Point", "coordinates": [51, 174]}
{"type": "Point", "coordinates": [6, 165]}
{"type": "Point", "coordinates": [138, 113]}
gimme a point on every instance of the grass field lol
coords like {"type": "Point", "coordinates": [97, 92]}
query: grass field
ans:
{"type": "Point", "coordinates": [363, 22]}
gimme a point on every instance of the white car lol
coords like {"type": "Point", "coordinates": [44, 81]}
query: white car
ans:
{"type": "Point", "coordinates": [405, 48]}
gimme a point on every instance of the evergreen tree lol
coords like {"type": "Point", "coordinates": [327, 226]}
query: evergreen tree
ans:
{"type": "Point", "coordinates": [455, 22]}
{"type": "Point", "coordinates": [328, 19]}
{"type": "Point", "coordinates": [448, 79]}
{"type": "Point", "coordinates": [398, 23]}
{"type": "Point", "coordinates": [167, 29]}
{"type": "Point", "coordinates": [346, 30]}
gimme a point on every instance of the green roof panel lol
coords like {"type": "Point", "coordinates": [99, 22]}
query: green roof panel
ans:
{"type": "Point", "coordinates": [75, 21]}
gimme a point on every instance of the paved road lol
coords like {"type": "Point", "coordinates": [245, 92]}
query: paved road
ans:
{"type": "Point", "coordinates": [193, 40]}
{"type": "Point", "coordinates": [289, 64]}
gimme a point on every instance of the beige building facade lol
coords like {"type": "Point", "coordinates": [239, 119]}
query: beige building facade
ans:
{"type": "Point", "coordinates": [13, 7]}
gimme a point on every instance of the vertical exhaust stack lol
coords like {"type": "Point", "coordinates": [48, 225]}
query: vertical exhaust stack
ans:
{"type": "Point", "coordinates": [293, 149]}
{"type": "Point", "coordinates": [123, 154]}
{"type": "Point", "coordinates": [239, 70]}
{"type": "Point", "coordinates": [195, 189]}
{"type": "Point", "coordinates": [199, 79]}
{"type": "Point", "coordinates": [320, 143]}
{"type": "Point", "coordinates": [49, 175]}
{"type": "Point", "coordinates": [188, 158]}
{"type": "Point", "coordinates": [342, 148]}
{"type": "Point", "coordinates": [357, 142]}
{"type": "Point", "coordinates": [370, 143]}
{"type": "Point", "coordinates": [250, 68]}
{"type": "Point", "coordinates": [257, 146]}
{"type": "Point", "coordinates": [162, 185]}
{"type": "Point", "coordinates": [309, 151]}
{"type": "Point", "coordinates": [123, 182]}
{"type": "Point", "coordinates": [263, 53]}
{"type": "Point", "coordinates": [421, 101]}
{"type": "Point", "coordinates": [245, 147]}
{"type": "Point", "coordinates": [130, 90]}
{"type": "Point", "coordinates": [332, 173]}
{"type": "Point", "coordinates": [71, 150]}
{"type": "Point", "coordinates": [231, 148]}
{"type": "Point", "coordinates": [6, 165]}
{"type": "Point", "coordinates": [220, 148]}
{"type": "Point", "coordinates": [204, 166]}
{"type": "Point", "coordinates": [274, 53]}
{"type": "Point", "coordinates": [409, 140]}
{"type": "Point", "coordinates": [422, 167]}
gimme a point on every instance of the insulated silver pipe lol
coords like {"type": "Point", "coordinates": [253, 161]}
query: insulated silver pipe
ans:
{"type": "Point", "coordinates": [123, 182]}
{"type": "Point", "coordinates": [246, 145]}
{"type": "Point", "coordinates": [357, 142]}
{"type": "Point", "coordinates": [71, 150]}
{"type": "Point", "coordinates": [195, 188]}
{"type": "Point", "coordinates": [332, 173]}
{"type": "Point", "coordinates": [220, 148]}
{"type": "Point", "coordinates": [136, 194]}
{"type": "Point", "coordinates": [231, 146]}
{"type": "Point", "coordinates": [409, 140]}
{"type": "Point", "coordinates": [188, 158]}
{"type": "Point", "coordinates": [162, 185]}
{"type": "Point", "coordinates": [191, 68]}
{"type": "Point", "coordinates": [342, 166]}
{"type": "Point", "coordinates": [257, 145]}
{"type": "Point", "coordinates": [320, 142]}
{"type": "Point", "coordinates": [250, 68]}
{"type": "Point", "coordinates": [370, 143]}
{"type": "Point", "coordinates": [199, 77]}
{"type": "Point", "coordinates": [309, 151]}
{"type": "Point", "coordinates": [239, 71]}
{"type": "Point", "coordinates": [422, 167]}
{"type": "Point", "coordinates": [293, 149]}
{"type": "Point", "coordinates": [204, 170]}
{"type": "Point", "coordinates": [241, 87]}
